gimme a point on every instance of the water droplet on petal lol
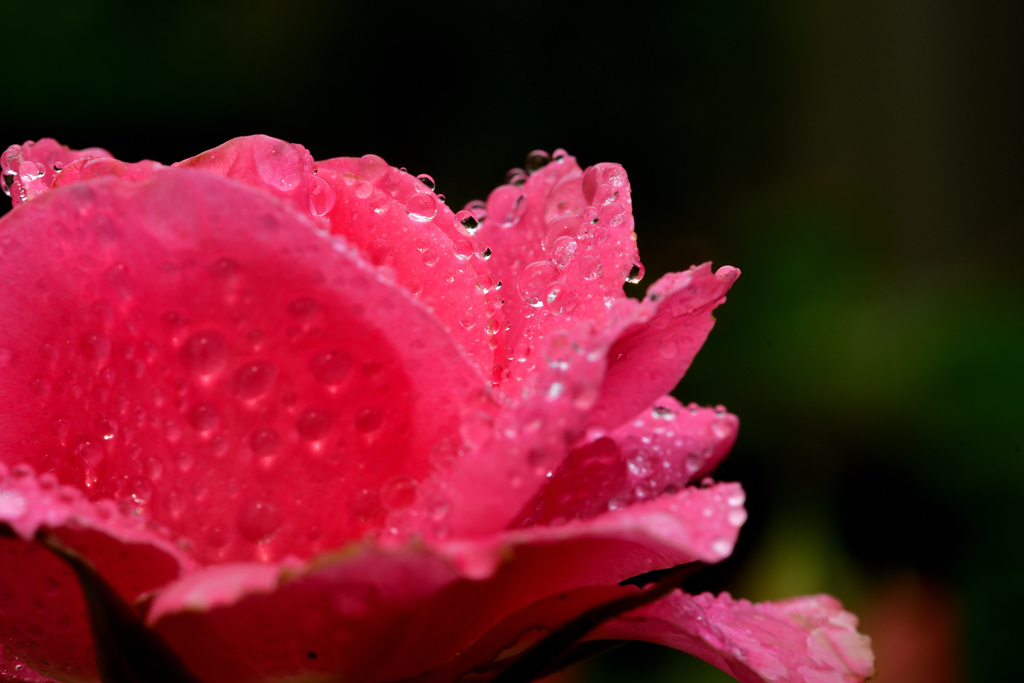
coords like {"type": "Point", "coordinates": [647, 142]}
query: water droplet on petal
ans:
{"type": "Point", "coordinates": [426, 180]}
{"type": "Point", "coordinates": [536, 160]}
{"type": "Point", "coordinates": [463, 249]}
{"type": "Point", "coordinates": [321, 196]}
{"type": "Point", "coordinates": [204, 353]}
{"type": "Point", "coordinates": [668, 348]}
{"type": "Point", "coordinates": [515, 177]}
{"type": "Point", "coordinates": [330, 366]}
{"type": "Point", "coordinates": [563, 250]}
{"type": "Point", "coordinates": [258, 519]}
{"type": "Point", "coordinates": [636, 273]}
{"type": "Point", "coordinates": [506, 205]}
{"type": "Point", "coordinates": [372, 167]}
{"type": "Point", "coordinates": [265, 442]}
{"type": "Point", "coordinates": [467, 221]}
{"type": "Point", "coordinates": [421, 207]}
{"type": "Point", "coordinates": [314, 424]}
{"type": "Point", "coordinates": [560, 298]}
{"type": "Point", "coordinates": [253, 379]}
{"type": "Point", "coordinates": [534, 281]}
{"type": "Point", "coordinates": [398, 493]}
{"type": "Point", "coordinates": [368, 419]}
{"type": "Point", "coordinates": [589, 267]}
{"type": "Point", "coordinates": [95, 346]}
{"type": "Point", "coordinates": [204, 417]}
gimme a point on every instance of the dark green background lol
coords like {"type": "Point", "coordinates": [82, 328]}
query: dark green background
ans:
{"type": "Point", "coordinates": [862, 161]}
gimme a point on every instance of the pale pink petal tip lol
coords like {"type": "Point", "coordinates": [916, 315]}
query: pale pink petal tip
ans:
{"type": "Point", "coordinates": [808, 639]}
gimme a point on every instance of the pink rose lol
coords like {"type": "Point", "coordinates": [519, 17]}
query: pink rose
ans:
{"type": "Point", "coordinates": [286, 420]}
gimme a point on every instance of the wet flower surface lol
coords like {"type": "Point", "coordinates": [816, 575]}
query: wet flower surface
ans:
{"type": "Point", "coordinates": [308, 423]}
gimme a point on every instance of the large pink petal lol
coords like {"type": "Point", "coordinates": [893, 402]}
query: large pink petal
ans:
{"type": "Point", "coordinates": [42, 615]}
{"type": "Point", "coordinates": [803, 640]}
{"type": "Point", "coordinates": [661, 449]}
{"type": "Point", "coordinates": [407, 231]}
{"type": "Point", "coordinates": [199, 352]}
{"type": "Point", "coordinates": [29, 169]}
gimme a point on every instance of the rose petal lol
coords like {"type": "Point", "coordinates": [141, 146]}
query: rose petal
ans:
{"type": "Point", "coordinates": [657, 342]}
{"type": "Point", "coordinates": [694, 523]}
{"type": "Point", "coordinates": [355, 611]}
{"type": "Point", "coordinates": [341, 617]}
{"type": "Point", "coordinates": [88, 168]}
{"type": "Point", "coordinates": [190, 347]}
{"type": "Point", "coordinates": [46, 158]}
{"type": "Point", "coordinates": [408, 231]}
{"type": "Point", "coordinates": [562, 254]}
{"type": "Point", "coordinates": [13, 669]}
{"type": "Point", "coordinates": [515, 634]}
{"type": "Point", "coordinates": [280, 169]}
{"type": "Point", "coordinates": [520, 567]}
{"type": "Point", "coordinates": [42, 614]}
{"type": "Point", "coordinates": [662, 449]}
{"type": "Point", "coordinates": [804, 640]}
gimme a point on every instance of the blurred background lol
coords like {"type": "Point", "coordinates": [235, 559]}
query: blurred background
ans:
{"type": "Point", "coordinates": [862, 161]}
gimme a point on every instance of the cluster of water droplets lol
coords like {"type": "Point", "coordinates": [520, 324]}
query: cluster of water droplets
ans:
{"type": "Point", "coordinates": [667, 448]}
{"type": "Point", "coordinates": [20, 178]}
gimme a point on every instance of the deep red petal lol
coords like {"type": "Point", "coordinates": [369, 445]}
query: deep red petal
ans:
{"type": "Point", "coordinates": [42, 619]}
{"type": "Point", "coordinates": [804, 640]}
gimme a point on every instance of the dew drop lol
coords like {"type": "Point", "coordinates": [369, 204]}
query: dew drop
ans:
{"type": "Point", "coordinates": [563, 250]}
{"type": "Point", "coordinates": [561, 298]}
{"type": "Point", "coordinates": [204, 353]}
{"type": "Point", "coordinates": [506, 205]}
{"type": "Point", "coordinates": [368, 419]}
{"type": "Point", "coordinates": [589, 267]}
{"type": "Point", "coordinates": [536, 160]}
{"type": "Point", "coordinates": [321, 196]}
{"type": "Point", "coordinates": [330, 366]}
{"type": "Point", "coordinates": [663, 413]}
{"type": "Point", "coordinates": [314, 424]}
{"type": "Point", "coordinates": [421, 207]}
{"type": "Point", "coordinates": [372, 167]}
{"type": "Point", "coordinates": [563, 226]}
{"type": "Point", "coordinates": [303, 309]}
{"type": "Point", "coordinates": [258, 519]}
{"type": "Point", "coordinates": [467, 221]}
{"type": "Point", "coordinates": [265, 442]}
{"type": "Point", "coordinates": [463, 249]}
{"type": "Point", "coordinates": [636, 273]}
{"type": "Point", "coordinates": [535, 280]}
{"type": "Point", "coordinates": [204, 416]}
{"type": "Point", "coordinates": [253, 379]}
{"type": "Point", "coordinates": [398, 493]}
{"type": "Point", "coordinates": [89, 449]}
{"type": "Point", "coordinates": [426, 180]}
{"type": "Point", "coordinates": [94, 346]}
{"type": "Point", "coordinates": [668, 348]}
